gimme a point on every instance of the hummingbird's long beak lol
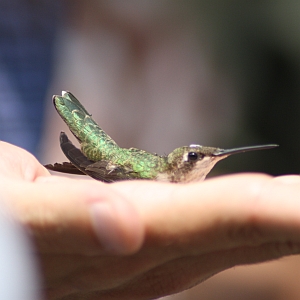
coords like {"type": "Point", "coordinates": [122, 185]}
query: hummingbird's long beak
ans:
{"type": "Point", "coordinates": [226, 152]}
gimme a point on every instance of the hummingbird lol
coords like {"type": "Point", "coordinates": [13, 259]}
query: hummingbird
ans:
{"type": "Point", "coordinates": [102, 159]}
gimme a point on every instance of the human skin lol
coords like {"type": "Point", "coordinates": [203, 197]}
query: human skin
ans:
{"type": "Point", "coordinates": [145, 239]}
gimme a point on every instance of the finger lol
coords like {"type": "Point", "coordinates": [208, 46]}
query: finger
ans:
{"type": "Point", "coordinates": [218, 214]}
{"type": "Point", "coordinates": [78, 217]}
{"type": "Point", "coordinates": [19, 164]}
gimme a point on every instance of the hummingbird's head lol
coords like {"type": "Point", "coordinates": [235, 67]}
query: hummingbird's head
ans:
{"type": "Point", "coordinates": [194, 162]}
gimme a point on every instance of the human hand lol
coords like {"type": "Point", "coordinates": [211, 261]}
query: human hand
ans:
{"type": "Point", "coordinates": [66, 218]}
{"type": "Point", "coordinates": [174, 235]}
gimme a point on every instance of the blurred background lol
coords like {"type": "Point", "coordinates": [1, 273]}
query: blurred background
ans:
{"type": "Point", "coordinates": [157, 75]}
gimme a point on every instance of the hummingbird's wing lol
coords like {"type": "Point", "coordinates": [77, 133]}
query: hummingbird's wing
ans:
{"type": "Point", "coordinates": [65, 167]}
{"type": "Point", "coordinates": [78, 160]}
{"type": "Point", "coordinates": [101, 170]}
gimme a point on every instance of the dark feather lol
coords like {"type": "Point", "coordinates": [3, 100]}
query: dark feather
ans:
{"type": "Point", "coordinates": [65, 167]}
{"type": "Point", "coordinates": [100, 170]}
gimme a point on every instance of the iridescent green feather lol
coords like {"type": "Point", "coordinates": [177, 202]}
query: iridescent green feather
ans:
{"type": "Point", "coordinates": [97, 145]}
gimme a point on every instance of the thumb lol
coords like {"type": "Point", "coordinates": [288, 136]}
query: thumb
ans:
{"type": "Point", "coordinates": [75, 216]}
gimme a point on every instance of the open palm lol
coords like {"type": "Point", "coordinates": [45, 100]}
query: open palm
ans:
{"type": "Point", "coordinates": [144, 239]}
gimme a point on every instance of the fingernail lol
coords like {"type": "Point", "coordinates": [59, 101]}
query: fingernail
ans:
{"type": "Point", "coordinates": [105, 226]}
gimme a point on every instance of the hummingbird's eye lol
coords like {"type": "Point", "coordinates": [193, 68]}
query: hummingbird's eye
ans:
{"type": "Point", "coordinates": [193, 156]}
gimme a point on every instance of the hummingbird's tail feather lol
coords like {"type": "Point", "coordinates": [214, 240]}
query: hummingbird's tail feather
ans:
{"type": "Point", "coordinates": [84, 128]}
{"type": "Point", "coordinates": [68, 95]}
{"type": "Point", "coordinates": [72, 112]}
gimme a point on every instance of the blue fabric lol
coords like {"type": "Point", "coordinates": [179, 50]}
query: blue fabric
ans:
{"type": "Point", "coordinates": [27, 36]}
